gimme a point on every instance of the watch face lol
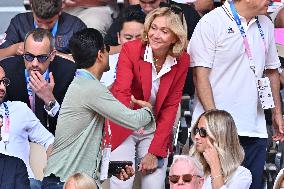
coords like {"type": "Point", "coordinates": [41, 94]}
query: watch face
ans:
{"type": "Point", "coordinates": [51, 104]}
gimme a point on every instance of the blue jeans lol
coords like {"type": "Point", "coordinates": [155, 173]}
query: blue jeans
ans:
{"type": "Point", "coordinates": [255, 155]}
{"type": "Point", "coordinates": [52, 182]}
{"type": "Point", "coordinates": [35, 184]}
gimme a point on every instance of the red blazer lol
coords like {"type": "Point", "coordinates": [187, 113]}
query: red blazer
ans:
{"type": "Point", "coordinates": [134, 77]}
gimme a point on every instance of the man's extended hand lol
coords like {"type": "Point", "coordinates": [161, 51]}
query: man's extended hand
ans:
{"type": "Point", "coordinates": [41, 87]}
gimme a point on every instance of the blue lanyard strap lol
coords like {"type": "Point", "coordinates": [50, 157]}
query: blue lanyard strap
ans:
{"type": "Point", "coordinates": [54, 29]}
{"type": "Point", "coordinates": [7, 116]}
{"type": "Point", "coordinates": [243, 33]}
{"type": "Point", "coordinates": [85, 74]}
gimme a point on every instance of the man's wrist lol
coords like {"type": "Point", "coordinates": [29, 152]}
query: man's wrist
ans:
{"type": "Point", "coordinates": [50, 105]}
{"type": "Point", "coordinates": [276, 111]}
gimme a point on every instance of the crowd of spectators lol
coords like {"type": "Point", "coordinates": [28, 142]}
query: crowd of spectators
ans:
{"type": "Point", "coordinates": [96, 82]}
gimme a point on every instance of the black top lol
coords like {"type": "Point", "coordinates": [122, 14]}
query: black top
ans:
{"type": "Point", "coordinates": [23, 23]}
{"type": "Point", "coordinates": [13, 173]}
{"type": "Point", "coordinates": [63, 72]}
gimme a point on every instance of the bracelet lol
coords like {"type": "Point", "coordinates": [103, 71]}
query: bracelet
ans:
{"type": "Point", "coordinates": [213, 178]}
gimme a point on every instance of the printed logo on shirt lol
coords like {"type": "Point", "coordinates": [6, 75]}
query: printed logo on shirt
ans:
{"type": "Point", "coordinates": [3, 38]}
{"type": "Point", "coordinates": [61, 41]}
{"type": "Point", "coordinates": [230, 30]}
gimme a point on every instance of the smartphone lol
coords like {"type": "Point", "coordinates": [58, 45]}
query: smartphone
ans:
{"type": "Point", "coordinates": [115, 167]}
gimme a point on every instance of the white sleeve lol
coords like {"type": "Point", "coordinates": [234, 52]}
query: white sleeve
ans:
{"type": "Point", "coordinates": [36, 131]}
{"type": "Point", "coordinates": [240, 180]}
{"type": "Point", "coordinates": [54, 110]}
{"type": "Point", "coordinates": [201, 47]}
{"type": "Point", "coordinates": [272, 60]}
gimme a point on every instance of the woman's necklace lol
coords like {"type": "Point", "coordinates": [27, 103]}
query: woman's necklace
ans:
{"type": "Point", "coordinates": [155, 60]}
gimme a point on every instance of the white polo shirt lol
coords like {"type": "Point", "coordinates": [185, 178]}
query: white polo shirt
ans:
{"type": "Point", "coordinates": [217, 44]}
{"type": "Point", "coordinates": [24, 126]}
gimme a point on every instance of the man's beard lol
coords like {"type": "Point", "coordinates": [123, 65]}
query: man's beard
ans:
{"type": "Point", "coordinates": [2, 98]}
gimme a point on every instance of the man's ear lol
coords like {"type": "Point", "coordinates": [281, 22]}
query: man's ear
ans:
{"type": "Point", "coordinates": [100, 57]}
{"type": "Point", "coordinates": [118, 38]}
{"type": "Point", "coordinates": [52, 55]}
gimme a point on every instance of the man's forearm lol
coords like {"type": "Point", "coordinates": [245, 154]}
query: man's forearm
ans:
{"type": "Point", "coordinates": [86, 3]}
{"type": "Point", "coordinates": [203, 87]}
{"type": "Point", "coordinates": [9, 51]}
{"type": "Point", "coordinates": [273, 76]}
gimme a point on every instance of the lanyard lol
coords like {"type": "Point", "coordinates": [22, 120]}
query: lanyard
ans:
{"type": "Point", "coordinates": [243, 33]}
{"type": "Point", "coordinates": [54, 29]}
{"type": "Point", "coordinates": [29, 89]}
{"type": "Point", "coordinates": [85, 74]}
{"type": "Point", "coordinates": [107, 135]}
{"type": "Point", "coordinates": [7, 125]}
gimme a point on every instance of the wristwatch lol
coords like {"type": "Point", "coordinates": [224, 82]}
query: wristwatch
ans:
{"type": "Point", "coordinates": [50, 105]}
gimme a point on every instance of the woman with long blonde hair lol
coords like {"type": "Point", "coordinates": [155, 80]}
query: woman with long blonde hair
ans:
{"type": "Point", "coordinates": [217, 147]}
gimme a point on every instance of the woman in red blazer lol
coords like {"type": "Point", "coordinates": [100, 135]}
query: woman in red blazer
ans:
{"type": "Point", "coordinates": [152, 69]}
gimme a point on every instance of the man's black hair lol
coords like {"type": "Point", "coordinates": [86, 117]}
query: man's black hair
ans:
{"type": "Point", "coordinates": [85, 45]}
{"type": "Point", "coordinates": [129, 15]}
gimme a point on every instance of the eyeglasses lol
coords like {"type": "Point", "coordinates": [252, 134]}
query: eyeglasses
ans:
{"type": "Point", "coordinates": [40, 58]}
{"type": "Point", "coordinates": [185, 178]}
{"type": "Point", "coordinates": [5, 81]}
{"type": "Point", "coordinates": [201, 131]}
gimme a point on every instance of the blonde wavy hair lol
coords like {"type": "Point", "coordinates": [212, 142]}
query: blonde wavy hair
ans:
{"type": "Point", "coordinates": [222, 131]}
{"type": "Point", "coordinates": [279, 179]}
{"type": "Point", "coordinates": [175, 22]}
{"type": "Point", "coordinates": [80, 181]}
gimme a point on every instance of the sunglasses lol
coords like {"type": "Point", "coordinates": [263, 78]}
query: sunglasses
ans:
{"type": "Point", "coordinates": [201, 131]}
{"type": "Point", "coordinates": [174, 8]}
{"type": "Point", "coordinates": [40, 58]}
{"type": "Point", "coordinates": [187, 178]}
{"type": "Point", "coordinates": [5, 81]}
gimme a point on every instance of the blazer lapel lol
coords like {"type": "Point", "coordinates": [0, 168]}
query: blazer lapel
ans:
{"type": "Point", "coordinates": [145, 73]}
{"type": "Point", "coordinates": [165, 84]}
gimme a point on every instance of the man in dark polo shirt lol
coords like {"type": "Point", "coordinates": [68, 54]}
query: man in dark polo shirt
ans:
{"type": "Point", "coordinates": [45, 14]}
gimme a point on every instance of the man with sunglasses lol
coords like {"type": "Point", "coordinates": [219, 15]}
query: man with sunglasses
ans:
{"type": "Point", "coordinates": [19, 126]}
{"type": "Point", "coordinates": [45, 14]}
{"type": "Point", "coordinates": [39, 78]}
{"type": "Point", "coordinates": [185, 173]}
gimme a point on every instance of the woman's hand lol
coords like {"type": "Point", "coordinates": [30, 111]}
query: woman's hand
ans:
{"type": "Point", "coordinates": [148, 164]}
{"type": "Point", "coordinates": [211, 156]}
